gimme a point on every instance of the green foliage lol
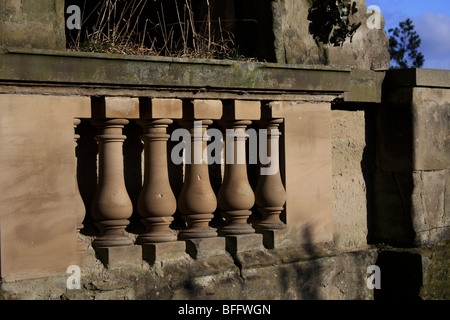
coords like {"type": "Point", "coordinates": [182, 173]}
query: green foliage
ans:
{"type": "Point", "coordinates": [403, 46]}
{"type": "Point", "coordinates": [331, 21]}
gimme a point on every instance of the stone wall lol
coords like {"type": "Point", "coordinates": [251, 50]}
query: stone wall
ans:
{"type": "Point", "coordinates": [310, 273]}
{"type": "Point", "coordinates": [365, 164]}
{"type": "Point", "coordinates": [350, 190]}
{"type": "Point", "coordinates": [32, 24]}
{"type": "Point", "coordinates": [411, 188]}
{"type": "Point", "coordinates": [367, 49]}
{"type": "Point", "coordinates": [37, 186]}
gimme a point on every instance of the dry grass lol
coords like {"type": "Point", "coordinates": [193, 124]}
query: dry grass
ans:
{"type": "Point", "coordinates": [122, 28]}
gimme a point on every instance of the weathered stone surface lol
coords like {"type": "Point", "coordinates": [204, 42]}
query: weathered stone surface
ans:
{"type": "Point", "coordinates": [162, 72]}
{"type": "Point", "coordinates": [115, 107]}
{"type": "Point", "coordinates": [244, 242]}
{"type": "Point", "coordinates": [294, 44]}
{"type": "Point", "coordinates": [368, 48]}
{"type": "Point", "coordinates": [202, 109]}
{"type": "Point", "coordinates": [430, 206]}
{"type": "Point", "coordinates": [242, 110]}
{"type": "Point", "coordinates": [413, 159]}
{"type": "Point", "coordinates": [394, 140]}
{"type": "Point", "coordinates": [411, 208]}
{"type": "Point", "coordinates": [311, 272]}
{"type": "Point", "coordinates": [391, 221]}
{"type": "Point", "coordinates": [307, 143]}
{"type": "Point", "coordinates": [157, 252]}
{"type": "Point", "coordinates": [413, 126]}
{"type": "Point", "coordinates": [308, 272]}
{"type": "Point", "coordinates": [431, 78]}
{"type": "Point", "coordinates": [160, 108]}
{"type": "Point", "coordinates": [206, 247]}
{"type": "Point", "coordinates": [431, 126]}
{"type": "Point", "coordinates": [435, 277]}
{"type": "Point", "coordinates": [348, 138]}
{"type": "Point", "coordinates": [414, 274]}
{"type": "Point", "coordinates": [365, 86]}
{"type": "Point", "coordinates": [37, 184]}
{"type": "Point", "coordinates": [120, 255]}
{"type": "Point", "coordinates": [33, 24]}
{"type": "Point", "coordinates": [278, 238]}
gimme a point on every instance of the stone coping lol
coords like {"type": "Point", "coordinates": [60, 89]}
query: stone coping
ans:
{"type": "Point", "coordinates": [419, 78]}
{"type": "Point", "coordinates": [78, 68]}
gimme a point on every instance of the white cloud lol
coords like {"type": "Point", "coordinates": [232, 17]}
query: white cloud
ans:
{"type": "Point", "coordinates": [434, 30]}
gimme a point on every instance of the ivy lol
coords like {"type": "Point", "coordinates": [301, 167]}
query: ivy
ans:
{"type": "Point", "coordinates": [331, 21]}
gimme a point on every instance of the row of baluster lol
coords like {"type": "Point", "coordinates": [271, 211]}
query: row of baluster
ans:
{"type": "Point", "coordinates": [112, 207]}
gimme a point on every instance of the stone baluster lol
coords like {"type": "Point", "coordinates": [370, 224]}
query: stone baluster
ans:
{"type": "Point", "coordinates": [270, 193]}
{"type": "Point", "coordinates": [78, 201]}
{"type": "Point", "coordinates": [236, 197]}
{"type": "Point", "coordinates": [111, 206]}
{"type": "Point", "coordinates": [157, 203]}
{"type": "Point", "coordinates": [197, 200]}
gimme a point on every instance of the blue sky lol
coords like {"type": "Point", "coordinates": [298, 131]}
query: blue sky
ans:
{"type": "Point", "coordinates": [431, 19]}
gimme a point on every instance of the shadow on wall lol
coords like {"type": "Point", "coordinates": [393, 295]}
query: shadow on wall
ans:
{"type": "Point", "coordinates": [303, 278]}
{"type": "Point", "coordinates": [368, 165]}
{"type": "Point", "coordinates": [388, 131]}
{"type": "Point", "coordinates": [86, 153]}
{"type": "Point", "coordinates": [132, 154]}
{"type": "Point", "coordinates": [312, 271]}
{"type": "Point", "coordinates": [390, 221]}
{"type": "Point", "coordinates": [386, 166]}
{"type": "Point", "coordinates": [292, 281]}
{"type": "Point", "coordinates": [401, 276]}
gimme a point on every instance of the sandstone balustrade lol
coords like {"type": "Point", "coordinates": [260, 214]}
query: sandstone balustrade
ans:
{"type": "Point", "coordinates": [270, 193]}
{"type": "Point", "coordinates": [197, 200]}
{"type": "Point", "coordinates": [111, 206]}
{"type": "Point", "coordinates": [236, 197]}
{"type": "Point", "coordinates": [157, 204]}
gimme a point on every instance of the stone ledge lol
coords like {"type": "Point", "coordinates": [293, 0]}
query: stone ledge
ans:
{"type": "Point", "coordinates": [102, 69]}
{"type": "Point", "coordinates": [291, 273]}
{"type": "Point", "coordinates": [419, 78]}
{"type": "Point", "coordinates": [306, 272]}
{"type": "Point", "coordinates": [285, 255]}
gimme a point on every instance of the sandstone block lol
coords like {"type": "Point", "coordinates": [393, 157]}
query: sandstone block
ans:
{"type": "Point", "coordinates": [115, 107]}
{"type": "Point", "coordinates": [242, 110]}
{"type": "Point", "coordinates": [161, 108]}
{"type": "Point", "coordinates": [120, 255]}
{"type": "Point", "coordinates": [276, 238]}
{"type": "Point", "coordinates": [164, 251]}
{"type": "Point", "coordinates": [245, 242]}
{"type": "Point", "coordinates": [202, 109]}
{"type": "Point", "coordinates": [206, 247]}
